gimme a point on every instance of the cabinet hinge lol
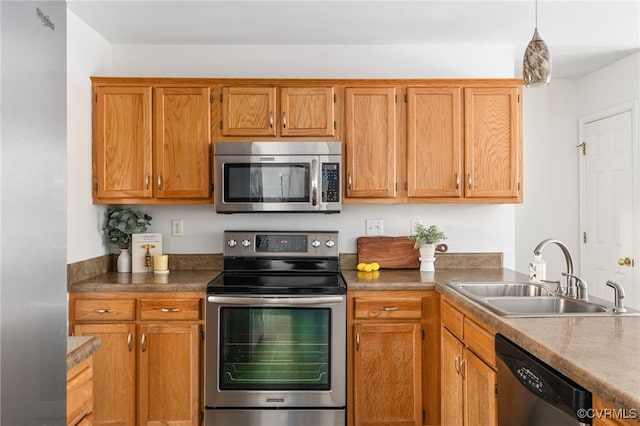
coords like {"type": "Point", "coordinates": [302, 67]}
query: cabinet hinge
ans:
{"type": "Point", "coordinates": [584, 237]}
{"type": "Point", "coordinates": [518, 98]}
{"type": "Point", "coordinates": [518, 186]}
{"type": "Point", "coordinates": [211, 187]}
{"type": "Point", "coordinates": [220, 124]}
{"type": "Point", "coordinates": [406, 186]}
{"type": "Point", "coordinates": [495, 390]}
{"type": "Point", "coordinates": [96, 97]}
{"type": "Point", "coordinates": [396, 98]}
{"type": "Point", "coordinates": [335, 98]}
{"type": "Point", "coordinates": [220, 97]}
{"type": "Point", "coordinates": [424, 416]}
{"type": "Point", "coordinates": [406, 98]}
{"type": "Point", "coordinates": [201, 335]}
{"type": "Point", "coordinates": [335, 124]}
{"type": "Point", "coordinates": [210, 99]}
{"type": "Point", "coordinates": [423, 335]}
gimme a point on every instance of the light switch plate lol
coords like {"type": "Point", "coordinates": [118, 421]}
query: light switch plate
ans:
{"type": "Point", "coordinates": [414, 222]}
{"type": "Point", "coordinates": [374, 227]}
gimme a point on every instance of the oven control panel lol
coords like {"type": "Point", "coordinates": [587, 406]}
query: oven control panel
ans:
{"type": "Point", "coordinates": [274, 243]}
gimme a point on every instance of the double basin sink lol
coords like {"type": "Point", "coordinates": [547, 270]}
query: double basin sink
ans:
{"type": "Point", "coordinates": [531, 300]}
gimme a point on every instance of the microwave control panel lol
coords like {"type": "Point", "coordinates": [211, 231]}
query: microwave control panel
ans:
{"type": "Point", "coordinates": [330, 182]}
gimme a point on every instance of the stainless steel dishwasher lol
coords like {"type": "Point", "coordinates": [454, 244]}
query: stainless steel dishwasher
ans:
{"type": "Point", "coordinates": [531, 393]}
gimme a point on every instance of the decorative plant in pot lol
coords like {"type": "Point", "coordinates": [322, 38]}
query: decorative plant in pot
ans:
{"type": "Point", "coordinates": [120, 223]}
{"type": "Point", "coordinates": [426, 239]}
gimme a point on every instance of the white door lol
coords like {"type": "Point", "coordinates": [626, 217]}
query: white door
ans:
{"type": "Point", "coordinates": [609, 216]}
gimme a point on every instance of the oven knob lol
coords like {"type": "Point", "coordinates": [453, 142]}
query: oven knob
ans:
{"type": "Point", "coordinates": [232, 243]}
{"type": "Point", "coordinates": [246, 243]}
{"type": "Point", "coordinates": [315, 243]}
{"type": "Point", "coordinates": [330, 243]}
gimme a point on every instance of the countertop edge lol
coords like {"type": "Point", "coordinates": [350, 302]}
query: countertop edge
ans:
{"type": "Point", "coordinates": [80, 348]}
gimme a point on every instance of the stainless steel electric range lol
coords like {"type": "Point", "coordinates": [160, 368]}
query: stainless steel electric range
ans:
{"type": "Point", "coordinates": [275, 350]}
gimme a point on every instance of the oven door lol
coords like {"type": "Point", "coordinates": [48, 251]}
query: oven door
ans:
{"type": "Point", "coordinates": [275, 351]}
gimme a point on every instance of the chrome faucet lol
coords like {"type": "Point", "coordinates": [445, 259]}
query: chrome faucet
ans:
{"type": "Point", "coordinates": [571, 290]}
{"type": "Point", "coordinates": [618, 293]}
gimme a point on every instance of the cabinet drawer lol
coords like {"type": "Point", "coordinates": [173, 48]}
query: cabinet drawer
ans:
{"type": "Point", "coordinates": [453, 319]}
{"type": "Point", "coordinates": [79, 391]}
{"type": "Point", "coordinates": [480, 341]}
{"type": "Point", "coordinates": [406, 307]}
{"type": "Point", "coordinates": [105, 310]}
{"type": "Point", "coordinates": [170, 309]}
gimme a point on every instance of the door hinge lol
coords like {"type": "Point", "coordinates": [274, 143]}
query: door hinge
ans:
{"type": "Point", "coordinates": [495, 390]}
{"type": "Point", "coordinates": [406, 98]}
{"type": "Point", "coordinates": [220, 124]}
{"type": "Point", "coordinates": [335, 98]}
{"type": "Point", "coordinates": [335, 124]}
{"type": "Point", "coordinates": [584, 237]}
{"type": "Point", "coordinates": [583, 145]}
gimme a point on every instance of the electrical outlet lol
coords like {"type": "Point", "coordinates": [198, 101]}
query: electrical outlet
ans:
{"type": "Point", "coordinates": [374, 227]}
{"type": "Point", "coordinates": [414, 222]}
{"type": "Point", "coordinates": [177, 228]}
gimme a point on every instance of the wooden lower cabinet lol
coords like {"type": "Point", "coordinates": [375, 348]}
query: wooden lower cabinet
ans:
{"type": "Point", "coordinates": [148, 369]}
{"type": "Point", "coordinates": [393, 356]}
{"type": "Point", "coordinates": [80, 394]}
{"type": "Point", "coordinates": [469, 378]}
{"type": "Point", "coordinates": [605, 414]}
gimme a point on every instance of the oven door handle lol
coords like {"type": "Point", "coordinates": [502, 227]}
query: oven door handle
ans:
{"type": "Point", "coordinates": [294, 301]}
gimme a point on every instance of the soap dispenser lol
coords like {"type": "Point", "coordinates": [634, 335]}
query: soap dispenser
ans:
{"type": "Point", "coordinates": [537, 269]}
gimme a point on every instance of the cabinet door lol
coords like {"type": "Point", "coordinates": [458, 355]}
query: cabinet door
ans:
{"type": "Point", "coordinates": [387, 374]}
{"type": "Point", "coordinates": [169, 374]}
{"type": "Point", "coordinates": [307, 111]}
{"type": "Point", "coordinates": [452, 385]}
{"type": "Point", "coordinates": [370, 139]}
{"type": "Point", "coordinates": [181, 142]}
{"type": "Point", "coordinates": [249, 111]}
{"type": "Point", "coordinates": [122, 146]}
{"type": "Point", "coordinates": [114, 367]}
{"type": "Point", "coordinates": [492, 142]}
{"type": "Point", "coordinates": [434, 142]}
{"type": "Point", "coordinates": [480, 392]}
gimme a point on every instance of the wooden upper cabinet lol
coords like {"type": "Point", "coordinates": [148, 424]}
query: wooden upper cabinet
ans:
{"type": "Point", "coordinates": [122, 148]}
{"type": "Point", "coordinates": [307, 111]}
{"type": "Point", "coordinates": [259, 111]}
{"type": "Point", "coordinates": [493, 147]}
{"type": "Point", "coordinates": [182, 140]}
{"type": "Point", "coordinates": [370, 142]}
{"type": "Point", "coordinates": [248, 111]}
{"type": "Point", "coordinates": [434, 142]}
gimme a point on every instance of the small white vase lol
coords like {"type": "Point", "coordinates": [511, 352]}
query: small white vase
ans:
{"type": "Point", "coordinates": [124, 261]}
{"type": "Point", "coordinates": [427, 257]}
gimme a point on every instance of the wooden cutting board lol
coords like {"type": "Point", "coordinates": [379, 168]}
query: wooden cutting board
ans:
{"type": "Point", "coordinates": [389, 252]}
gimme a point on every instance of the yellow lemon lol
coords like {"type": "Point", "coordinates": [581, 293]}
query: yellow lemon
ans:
{"type": "Point", "coordinates": [368, 267]}
{"type": "Point", "coordinates": [360, 266]}
{"type": "Point", "coordinates": [375, 266]}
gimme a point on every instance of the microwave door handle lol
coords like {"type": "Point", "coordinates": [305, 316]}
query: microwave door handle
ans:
{"type": "Point", "coordinates": [314, 182]}
{"type": "Point", "coordinates": [294, 301]}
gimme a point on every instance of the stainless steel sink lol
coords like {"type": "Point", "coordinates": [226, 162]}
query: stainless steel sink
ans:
{"type": "Point", "coordinates": [523, 299]}
{"type": "Point", "coordinates": [543, 305]}
{"type": "Point", "coordinates": [503, 289]}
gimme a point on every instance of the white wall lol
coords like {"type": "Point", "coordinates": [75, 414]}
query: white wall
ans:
{"type": "Point", "coordinates": [87, 54]}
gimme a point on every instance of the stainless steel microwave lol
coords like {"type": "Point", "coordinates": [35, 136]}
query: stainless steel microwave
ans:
{"type": "Point", "coordinates": [279, 176]}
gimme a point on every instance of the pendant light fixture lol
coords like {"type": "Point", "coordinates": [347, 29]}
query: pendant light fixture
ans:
{"type": "Point", "coordinates": [536, 64]}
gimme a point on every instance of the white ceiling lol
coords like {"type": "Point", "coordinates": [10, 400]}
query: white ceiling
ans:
{"type": "Point", "coordinates": [583, 36]}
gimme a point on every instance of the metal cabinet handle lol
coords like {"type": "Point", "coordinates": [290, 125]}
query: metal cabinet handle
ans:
{"type": "Point", "coordinates": [462, 364]}
{"type": "Point", "coordinates": [284, 119]}
{"type": "Point", "coordinates": [357, 342]}
{"type": "Point", "coordinates": [129, 339]}
{"type": "Point", "coordinates": [167, 310]}
{"type": "Point", "coordinates": [146, 181]}
{"type": "Point", "coordinates": [271, 119]}
{"type": "Point", "coordinates": [349, 181]}
{"type": "Point", "coordinates": [104, 311]}
{"type": "Point", "coordinates": [470, 181]}
{"type": "Point", "coordinates": [143, 342]}
{"type": "Point", "coordinates": [159, 181]}
{"type": "Point", "coordinates": [457, 180]}
{"type": "Point", "coordinates": [456, 364]}
{"type": "Point", "coordinates": [388, 308]}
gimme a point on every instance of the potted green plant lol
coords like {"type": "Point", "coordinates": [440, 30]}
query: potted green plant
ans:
{"type": "Point", "coordinates": [426, 239]}
{"type": "Point", "coordinates": [120, 223]}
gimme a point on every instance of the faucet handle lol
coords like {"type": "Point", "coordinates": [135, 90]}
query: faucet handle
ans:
{"type": "Point", "coordinates": [581, 294]}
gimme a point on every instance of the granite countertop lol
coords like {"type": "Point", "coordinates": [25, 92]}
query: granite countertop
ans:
{"type": "Point", "coordinates": [80, 348]}
{"type": "Point", "coordinates": [600, 353]}
{"type": "Point", "coordinates": [147, 281]}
